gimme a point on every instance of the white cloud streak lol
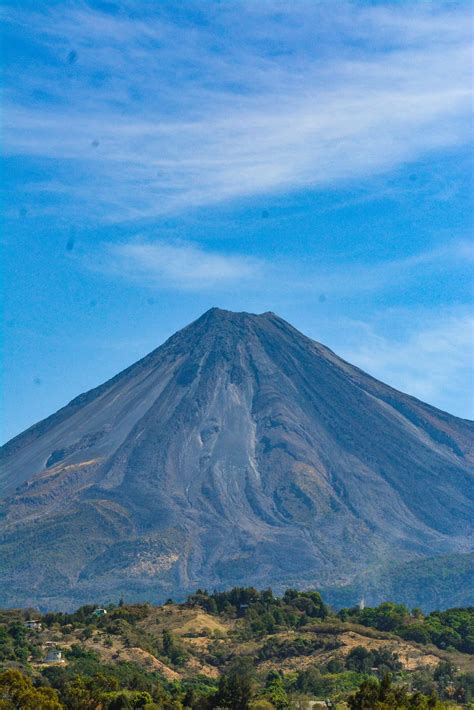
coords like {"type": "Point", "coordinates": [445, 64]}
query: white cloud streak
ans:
{"type": "Point", "coordinates": [181, 265]}
{"type": "Point", "coordinates": [189, 115]}
{"type": "Point", "coordinates": [176, 265]}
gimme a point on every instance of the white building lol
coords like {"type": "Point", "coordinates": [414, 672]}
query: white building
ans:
{"type": "Point", "coordinates": [33, 624]}
{"type": "Point", "coordinates": [54, 655]}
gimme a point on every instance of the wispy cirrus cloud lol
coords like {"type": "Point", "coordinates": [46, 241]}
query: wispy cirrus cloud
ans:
{"type": "Point", "coordinates": [158, 113]}
{"type": "Point", "coordinates": [176, 265]}
{"type": "Point", "coordinates": [167, 264]}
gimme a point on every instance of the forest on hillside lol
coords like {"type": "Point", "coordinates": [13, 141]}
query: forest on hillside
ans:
{"type": "Point", "coordinates": [241, 649]}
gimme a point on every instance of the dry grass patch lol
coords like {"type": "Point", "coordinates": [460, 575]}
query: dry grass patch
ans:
{"type": "Point", "coordinates": [117, 651]}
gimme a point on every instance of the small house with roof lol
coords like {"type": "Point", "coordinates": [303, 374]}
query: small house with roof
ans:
{"type": "Point", "coordinates": [33, 624]}
{"type": "Point", "coordinates": [54, 655]}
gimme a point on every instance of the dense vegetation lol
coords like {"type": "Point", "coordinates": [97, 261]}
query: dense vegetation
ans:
{"type": "Point", "coordinates": [243, 649]}
{"type": "Point", "coordinates": [453, 628]}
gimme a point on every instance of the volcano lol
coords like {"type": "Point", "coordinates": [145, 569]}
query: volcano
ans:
{"type": "Point", "coordinates": [240, 452]}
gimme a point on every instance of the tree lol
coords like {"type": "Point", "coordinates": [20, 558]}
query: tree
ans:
{"type": "Point", "coordinates": [80, 694]}
{"type": "Point", "coordinates": [367, 696]}
{"type": "Point", "coordinates": [128, 700]}
{"type": "Point", "coordinates": [17, 691]}
{"type": "Point", "coordinates": [359, 660]}
{"type": "Point", "coordinates": [275, 690]}
{"type": "Point", "coordinates": [236, 687]}
{"type": "Point", "coordinates": [168, 643]}
{"type": "Point", "coordinates": [171, 649]}
{"type": "Point", "coordinates": [310, 603]}
{"type": "Point", "coordinates": [375, 695]}
{"type": "Point", "coordinates": [261, 704]}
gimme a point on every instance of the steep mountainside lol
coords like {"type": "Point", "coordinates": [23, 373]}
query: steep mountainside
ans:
{"type": "Point", "coordinates": [238, 452]}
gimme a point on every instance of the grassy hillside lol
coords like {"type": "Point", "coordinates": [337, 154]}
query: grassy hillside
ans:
{"type": "Point", "coordinates": [238, 649]}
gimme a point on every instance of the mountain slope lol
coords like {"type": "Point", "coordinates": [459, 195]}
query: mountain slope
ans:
{"type": "Point", "coordinates": [240, 451]}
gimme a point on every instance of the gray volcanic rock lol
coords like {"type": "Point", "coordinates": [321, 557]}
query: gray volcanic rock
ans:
{"type": "Point", "coordinates": [239, 452]}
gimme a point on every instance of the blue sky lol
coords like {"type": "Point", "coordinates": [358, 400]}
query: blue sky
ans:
{"type": "Point", "coordinates": [309, 158]}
